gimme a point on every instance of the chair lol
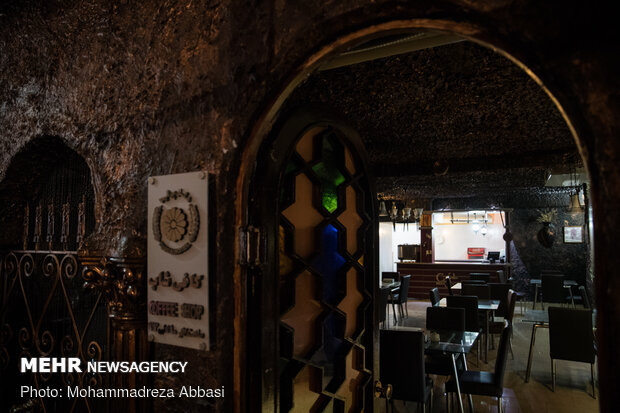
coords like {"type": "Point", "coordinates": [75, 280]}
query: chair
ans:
{"type": "Point", "coordinates": [482, 291]}
{"type": "Point", "coordinates": [480, 276]}
{"type": "Point", "coordinates": [521, 296]}
{"type": "Point", "coordinates": [546, 272]}
{"type": "Point", "coordinates": [447, 319]}
{"type": "Point", "coordinates": [552, 286]}
{"type": "Point", "coordinates": [384, 293]}
{"type": "Point", "coordinates": [496, 327]}
{"type": "Point", "coordinates": [486, 383]}
{"type": "Point", "coordinates": [473, 282]}
{"type": "Point", "coordinates": [402, 366]}
{"type": "Point", "coordinates": [501, 276]}
{"type": "Point", "coordinates": [584, 297]}
{"type": "Point", "coordinates": [399, 296]}
{"type": "Point", "coordinates": [448, 282]}
{"type": "Point", "coordinates": [434, 296]}
{"type": "Point", "coordinates": [571, 338]}
{"type": "Point", "coordinates": [390, 274]}
{"type": "Point", "coordinates": [499, 291]}
{"type": "Point", "coordinates": [470, 305]}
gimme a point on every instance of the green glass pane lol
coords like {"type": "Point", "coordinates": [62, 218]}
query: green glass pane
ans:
{"type": "Point", "coordinates": [330, 200]}
{"type": "Point", "coordinates": [329, 173]}
{"type": "Point", "coordinates": [290, 167]}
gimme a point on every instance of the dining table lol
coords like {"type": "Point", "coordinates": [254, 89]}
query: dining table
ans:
{"type": "Point", "coordinates": [568, 284]}
{"type": "Point", "coordinates": [540, 319]}
{"type": "Point", "coordinates": [390, 285]}
{"type": "Point", "coordinates": [488, 307]}
{"type": "Point", "coordinates": [452, 343]}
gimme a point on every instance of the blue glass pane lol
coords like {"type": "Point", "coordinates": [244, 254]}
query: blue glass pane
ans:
{"type": "Point", "coordinates": [327, 264]}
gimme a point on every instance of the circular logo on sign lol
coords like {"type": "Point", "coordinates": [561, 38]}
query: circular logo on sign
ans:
{"type": "Point", "coordinates": [176, 225]}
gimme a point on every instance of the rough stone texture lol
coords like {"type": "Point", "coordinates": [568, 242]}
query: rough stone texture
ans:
{"type": "Point", "coordinates": [171, 86]}
{"type": "Point", "coordinates": [496, 184]}
{"type": "Point", "coordinates": [138, 90]}
{"type": "Point", "coordinates": [570, 259]}
{"type": "Point", "coordinates": [519, 198]}
{"type": "Point", "coordinates": [460, 103]}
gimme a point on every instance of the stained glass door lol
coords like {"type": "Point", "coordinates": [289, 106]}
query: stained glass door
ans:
{"type": "Point", "coordinates": [323, 275]}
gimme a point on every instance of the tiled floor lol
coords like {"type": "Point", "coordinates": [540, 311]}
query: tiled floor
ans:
{"type": "Point", "coordinates": [573, 389]}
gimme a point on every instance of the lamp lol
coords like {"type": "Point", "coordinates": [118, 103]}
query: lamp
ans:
{"type": "Point", "coordinates": [382, 209]}
{"type": "Point", "coordinates": [394, 211]}
{"type": "Point", "coordinates": [574, 205]}
{"type": "Point", "coordinates": [406, 213]}
{"type": "Point", "coordinates": [394, 214]}
{"type": "Point", "coordinates": [475, 224]}
{"type": "Point", "coordinates": [484, 230]}
{"type": "Point", "coordinates": [400, 212]}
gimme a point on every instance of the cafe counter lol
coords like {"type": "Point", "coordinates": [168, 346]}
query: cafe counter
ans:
{"type": "Point", "coordinates": [425, 276]}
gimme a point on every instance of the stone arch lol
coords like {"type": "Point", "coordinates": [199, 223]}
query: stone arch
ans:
{"type": "Point", "coordinates": [45, 171]}
{"type": "Point", "coordinates": [566, 104]}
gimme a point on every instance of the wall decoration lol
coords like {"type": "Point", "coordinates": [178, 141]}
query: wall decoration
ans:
{"type": "Point", "coordinates": [173, 224]}
{"type": "Point", "coordinates": [546, 235]}
{"type": "Point", "coordinates": [178, 294]}
{"type": "Point", "coordinates": [573, 234]}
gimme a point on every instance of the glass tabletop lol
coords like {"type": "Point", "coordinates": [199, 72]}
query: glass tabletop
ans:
{"type": "Point", "coordinates": [567, 283]}
{"type": "Point", "coordinates": [536, 316]}
{"type": "Point", "coordinates": [452, 342]}
{"type": "Point", "coordinates": [449, 341]}
{"type": "Point", "coordinates": [483, 304]}
{"type": "Point", "coordinates": [542, 317]}
{"type": "Point", "coordinates": [392, 284]}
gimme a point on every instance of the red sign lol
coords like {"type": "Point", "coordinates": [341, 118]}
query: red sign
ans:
{"type": "Point", "coordinates": [475, 253]}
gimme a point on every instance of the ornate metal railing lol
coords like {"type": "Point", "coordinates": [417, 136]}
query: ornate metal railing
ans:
{"type": "Point", "coordinates": [46, 311]}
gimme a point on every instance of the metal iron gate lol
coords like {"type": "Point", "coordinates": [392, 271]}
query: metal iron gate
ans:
{"type": "Point", "coordinates": [47, 312]}
{"type": "Point", "coordinates": [46, 307]}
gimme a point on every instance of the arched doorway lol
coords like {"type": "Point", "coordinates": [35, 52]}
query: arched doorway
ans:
{"type": "Point", "coordinates": [47, 203]}
{"type": "Point", "coordinates": [311, 285]}
{"type": "Point", "coordinates": [271, 116]}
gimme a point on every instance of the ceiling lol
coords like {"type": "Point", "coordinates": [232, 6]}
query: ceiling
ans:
{"type": "Point", "coordinates": [456, 120]}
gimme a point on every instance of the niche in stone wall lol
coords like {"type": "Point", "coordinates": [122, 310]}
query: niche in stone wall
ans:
{"type": "Point", "coordinates": [46, 198]}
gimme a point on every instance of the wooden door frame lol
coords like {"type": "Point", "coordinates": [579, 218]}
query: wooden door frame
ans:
{"type": "Point", "coordinates": [263, 307]}
{"type": "Point", "coordinates": [268, 118]}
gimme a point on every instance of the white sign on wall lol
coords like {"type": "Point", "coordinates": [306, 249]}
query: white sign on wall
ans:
{"type": "Point", "coordinates": [178, 267]}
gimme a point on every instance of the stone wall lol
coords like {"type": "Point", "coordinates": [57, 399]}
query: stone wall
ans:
{"type": "Point", "coordinates": [530, 256]}
{"type": "Point", "coordinates": [159, 87]}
